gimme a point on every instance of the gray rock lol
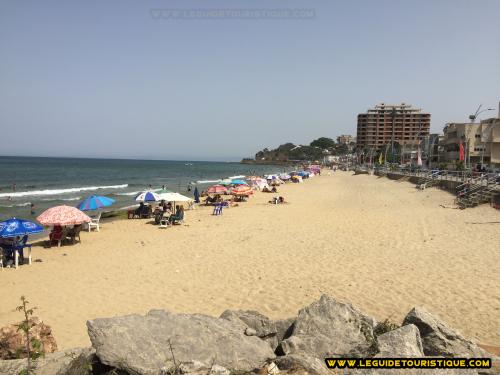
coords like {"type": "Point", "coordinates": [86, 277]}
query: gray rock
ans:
{"type": "Point", "coordinates": [301, 363]}
{"type": "Point", "coordinates": [196, 367]}
{"type": "Point", "coordinates": [411, 372]}
{"type": "Point", "coordinates": [440, 340]}
{"type": "Point", "coordinates": [330, 328]}
{"type": "Point", "coordinates": [69, 362]}
{"type": "Point", "coordinates": [402, 342]}
{"type": "Point", "coordinates": [141, 344]}
{"type": "Point", "coordinates": [250, 332]}
{"type": "Point", "coordinates": [272, 331]}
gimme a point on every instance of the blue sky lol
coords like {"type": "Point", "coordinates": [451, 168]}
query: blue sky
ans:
{"type": "Point", "coordinates": [107, 79]}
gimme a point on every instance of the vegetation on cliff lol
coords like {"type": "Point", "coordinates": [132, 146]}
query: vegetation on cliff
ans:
{"type": "Point", "coordinates": [316, 150]}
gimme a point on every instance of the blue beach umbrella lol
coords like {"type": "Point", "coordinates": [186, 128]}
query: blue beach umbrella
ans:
{"type": "Point", "coordinates": [238, 182]}
{"type": "Point", "coordinates": [18, 227]}
{"type": "Point", "coordinates": [147, 196]}
{"type": "Point", "coordinates": [95, 202]}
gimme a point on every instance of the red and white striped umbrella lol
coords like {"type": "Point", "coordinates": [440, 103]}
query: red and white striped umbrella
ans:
{"type": "Point", "coordinates": [217, 189]}
{"type": "Point", "coordinates": [242, 190]}
{"type": "Point", "coordinates": [63, 215]}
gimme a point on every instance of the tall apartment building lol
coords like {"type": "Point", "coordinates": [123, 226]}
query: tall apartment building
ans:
{"type": "Point", "coordinates": [386, 122]}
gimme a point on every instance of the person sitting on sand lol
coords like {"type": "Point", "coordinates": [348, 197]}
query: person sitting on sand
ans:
{"type": "Point", "coordinates": [274, 190]}
{"type": "Point", "coordinates": [56, 233]}
{"type": "Point", "coordinates": [178, 216]}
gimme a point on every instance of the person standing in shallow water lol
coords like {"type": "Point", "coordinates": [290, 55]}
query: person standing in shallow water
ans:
{"type": "Point", "coordinates": [32, 209]}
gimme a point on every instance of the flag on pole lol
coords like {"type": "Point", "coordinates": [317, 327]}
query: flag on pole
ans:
{"type": "Point", "coordinates": [462, 152]}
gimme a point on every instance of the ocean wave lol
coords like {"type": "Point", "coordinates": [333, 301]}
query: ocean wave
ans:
{"type": "Point", "coordinates": [207, 181]}
{"type": "Point", "coordinates": [128, 194]}
{"type": "Point", "coordinates": [16, 205]}
{"type": "Point", "coordinates": [60, 199]}
{"type": "Point", "coordinates": [59, 191]}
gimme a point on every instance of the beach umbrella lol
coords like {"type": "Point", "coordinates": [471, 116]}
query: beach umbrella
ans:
{"type": "Point", "coordinates": [238, 182]}
{"type": "Point", "coordinates": [285, 176]}
{"type": "Point", "coordinates": [174, 197]}
{"type": "Point", "coordinates": [63, 215]}
{"type": "Point", "coordinates": [242, 190]}
{"type": "Point", "coordinates": [147, 196]}
{"type": "Point", "coordinates": [95, 202]}
{"type": "Point", "coordinates": [18, 227]}
{"type": "Point", "coordinates": [226, 181]}
{"type": "Point", "coordinates": [217, 189]}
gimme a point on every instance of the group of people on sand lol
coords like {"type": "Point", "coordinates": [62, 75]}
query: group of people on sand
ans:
{"type": "Point", "coordinates": [266, 189]}
{"type": "Point", "coordinates": [165, 210]}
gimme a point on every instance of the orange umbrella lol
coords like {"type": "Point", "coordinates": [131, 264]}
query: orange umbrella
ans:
{"type": "Point", "coordinates": [63, 215]}
{"type": "Point", "coordinates": [242, 190]}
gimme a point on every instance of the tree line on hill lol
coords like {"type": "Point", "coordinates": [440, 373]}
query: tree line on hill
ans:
{"type": "Point", "coordinates": [316, 150]}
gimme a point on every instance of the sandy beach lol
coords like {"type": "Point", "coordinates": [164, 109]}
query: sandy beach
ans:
{"type": "Point", "coordinates": [379, 244]}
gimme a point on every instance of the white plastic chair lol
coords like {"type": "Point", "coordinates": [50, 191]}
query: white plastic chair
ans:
{"type": "Point", "coordinates": [94, 222]}
{"type": "Point", "coordinates": [164, 223]}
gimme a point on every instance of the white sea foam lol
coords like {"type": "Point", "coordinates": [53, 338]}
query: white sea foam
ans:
{"type": "Point", "coordinates": [61, 199]}
{"type": "Point", "coordinates": [16, 205]}
{"type": "Point", "coordinates": [207, 181]}
{"type": "Point", "coordinates": [129, 193]}
{"type": "Point", "coordinates": [59, 191]}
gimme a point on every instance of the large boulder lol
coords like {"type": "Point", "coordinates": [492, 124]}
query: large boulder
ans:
{"type": "Point", "coordinates": [402, 342]}
{"type": "Point", "coordinates": [13, 340]}
{"type": "Point", "coordinates": [331, 328]}
{"type": "Point", "coordinates": [302, 364]}
{"type": "Point", "coordinates": [272, 331]}
{"type": "Point", "coordinates": [77, 361]}
{"type": "Point", "coordinates": [440, 340]}
{"type": "Point", "coordinates": [159, 341]}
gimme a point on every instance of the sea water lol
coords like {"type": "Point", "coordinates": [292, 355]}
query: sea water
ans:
{"type": "Point", "coordinates": [48, 182]}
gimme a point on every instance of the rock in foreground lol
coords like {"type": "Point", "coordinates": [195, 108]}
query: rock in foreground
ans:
{"type": "Point", "coordinates": [77, 361]}
{"type": "Point", "coordinates": [440, 340]}
{"type": "Point", "coordinates": [141, 344]}
{"type": "Point", "coordinates": [13, 340]}
{"type": "Point", "coordinates": [330, 328]}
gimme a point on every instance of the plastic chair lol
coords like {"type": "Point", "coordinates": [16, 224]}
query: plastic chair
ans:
{"type": "Point", "coordinates": [217, 209]}
{"type": "Point", "coordinates": [94, 222]}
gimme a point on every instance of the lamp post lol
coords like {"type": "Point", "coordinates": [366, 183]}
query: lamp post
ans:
{"type": "Point", "coordinates": [473, 117]}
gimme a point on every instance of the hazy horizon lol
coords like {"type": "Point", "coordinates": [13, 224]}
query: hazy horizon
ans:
{"type": "Point", "coordinates": [120, 80]}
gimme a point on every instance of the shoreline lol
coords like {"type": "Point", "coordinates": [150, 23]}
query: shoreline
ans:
{"type": "Point", "coordinates": [340, 234]}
